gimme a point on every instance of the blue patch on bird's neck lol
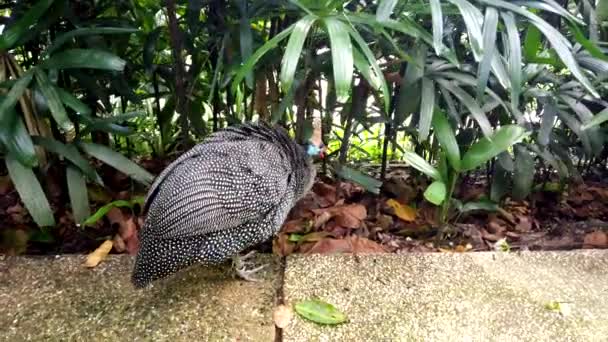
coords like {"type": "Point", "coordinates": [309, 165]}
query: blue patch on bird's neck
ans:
{"type": "Point", "coordinates": [312, 150]}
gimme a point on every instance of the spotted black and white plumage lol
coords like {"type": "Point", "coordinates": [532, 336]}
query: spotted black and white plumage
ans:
{"type": "Point", "coordinates": [228, 193]}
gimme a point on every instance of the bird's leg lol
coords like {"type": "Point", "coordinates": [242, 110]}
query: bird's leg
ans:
{"type": "Point", "coordinates": [239, 262]}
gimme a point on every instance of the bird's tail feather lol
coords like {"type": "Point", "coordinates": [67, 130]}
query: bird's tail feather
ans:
{"type": "Point", "coordinates": [159, 258]}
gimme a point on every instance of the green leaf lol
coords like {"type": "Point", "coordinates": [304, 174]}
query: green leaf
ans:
{"type": "Point", "coordinates": [293, 51]}
{"type": "Point", "coordinates": [150, 48]}
{"type": "Point", "coordinates": [365, 69]}
{"type": "Point", "coordinates": [489, 45]}
{"type": "Point", "coordinates": [473, 19]}
{"type": "Point", "coordinates": [547, 121]}
{"type": "Point", "coordinates": [320, 312]}
{"type": "Point", "coordinates": [436, 192]}
{"type": "Point", "coordinates": [486, 205]}
{"type": "Point", "coordinates": [286, 102]}
{"type": "Point", "coordinates": [17, 140]}
{"type": "Point", "coordinates": [590, 46]}
{"type": "Point", "coordinates": [246, 44]}
{"type": "Point", "coordinates": [342, 56]}
{"type": "Point", "coordinates": [118, 161]}
{"type": "Point", "coordinates": [447, 139]}
{"type": "Point", "coordinates": [73, 102]}
{"type": "Point", "coordinates": [500, 182]}
{"type": "Point", "coordinates": [84, 58]}
{"type": "Point", "coordinates": [373, 62]}
{"type": "Point", "coordinates": [71, 153]}
{"type": "Point", "coordinates": [561, 45]}
{"type": "Point", "coordinates": [486, 149]}
{"type": "Point", "coordinates": [13, 34]}
{"type": "Point", "coordinates": [53, 101]}
{"type": "Point", "coordinates": [30, 192]}
{"type": "Point", "coordinates": [251, 61]}
{"type": "Point", "coordinates": [598, 119]}
{"type": "Point", "coordinates": [427, 105]}
{"type": "Point", "coordinates": [471, 104]}
{"type": "Point", "coordinates": [437, 17]}
{"type": "Point", "coordinates": [8, 102]}
{"type": "Point", "coordinates": [532, 42]}
{"type": "Point", "coordinates": [421, 165]}
{"type": "Point", "coordinates": [385, 9]}
{"type": "Point", "coordinates": [101, 212]}
{"type": "Point", "coordinates": [368, 183]}
{"type": "Point", "coordinates": [79, 197]}
{"type": "Point", "coordinates": [523, 176]}
{"type": "Point", "coordinates": [84, 31]}
{"type": "Point", "coordinates": [514, 48]}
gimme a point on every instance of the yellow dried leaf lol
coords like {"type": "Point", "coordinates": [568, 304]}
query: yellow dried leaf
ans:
{"type": "Point", "coordinates": [99, 254]}
{"type": "Point", "coordinates": [404, 212]}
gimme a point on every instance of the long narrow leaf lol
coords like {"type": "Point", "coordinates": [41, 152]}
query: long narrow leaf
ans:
{"type": "Point", "coordinates": [342, 56]}
{"type": "Point", "coordinates": [514, 48]}
{"type": "Point", "coordinates": [374, 64]}
{"type": "Point", "coordinates": [73, 102]}
{"type": "Point", "coordinates": [547, 122]}
{"type": "Point", "coordinates": [245, 41]}
{"type": "Point", "coordinates": [427, 105]}
{"type": "Point", "coordinates": [21, 27]}
{"type": "Point", "coordinates": [79, 197]}
{"type": "Point", "coordinates": [447, 139]}
{"type": "Point", "coordinates": [437, 17]}
{"type": "Point", "coordinates": [71, 153]}
{"type": "Point", "coordinates": [472, 18]}
{"type": "Point", "coordinates": [84, 31]}
{"type": "Point", "coordinates": [421, 165]}
{"type": "Point", "coordinates": [469, 102]}
{"type": "Point", "coordinates": [523, 176]}
{"type": "Point", "coordinates": [561, 45]}
{"type": "Point", "coordinates": [486, 149]}
{"type": "Point", "coordinates": [251, 61]}
{"type": "Point", "coordinates": [294, 50]}
{"type": "Point", "coordinates": [84, 58]}
{"type": "Point", "coordinates": [15, 94]}
{"type": "Point", "coordinates": [53, 101]}
{"type": "Point", "coordinates": [489, 46]}
{"type": "Point", "coordinates": [17, 140]}
{"type": "Point", "coordinates": [598, 119]}
{"type": "Point", "coordinates": [30, 191]}
{"type": "Point", "coordinates": [385, 9]}
{"type": "Point", "coordinates": [118, 161]}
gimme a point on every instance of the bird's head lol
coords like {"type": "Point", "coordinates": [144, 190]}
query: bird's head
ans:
{"type": "Point", "coordinates": [315, 146]}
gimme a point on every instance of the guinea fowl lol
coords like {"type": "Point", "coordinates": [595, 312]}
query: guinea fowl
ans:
{"type": "Point", "coordinates": [228, 193]}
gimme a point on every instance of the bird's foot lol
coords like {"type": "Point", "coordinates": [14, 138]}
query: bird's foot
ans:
{"type": "Point", "coordinates": [240, 263]}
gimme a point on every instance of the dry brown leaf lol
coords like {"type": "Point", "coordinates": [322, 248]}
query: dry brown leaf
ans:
{"type": "Point", "coordinates": [490, 237]}
{"type": "Point", "coordinates": [402, 211]}
{"type": "Point", "coordinates": [384, 221]}
{"type": "Point", "coordinates": [351, 216]}
{"type": "Point", "coordinates": [524, 224]}
{"type": "Point", "coordinates": [281, 316]}
{"type": "Point", "coordinates": [597, 239]}
{"type": "Point", "coordinates": [94, 258]}
{"type": "Point", "coordinates": [496, 226]}
{"type": "Point", "coordinates": [351, 244]}
{"type": "Point", "coordinates": [323, 218]}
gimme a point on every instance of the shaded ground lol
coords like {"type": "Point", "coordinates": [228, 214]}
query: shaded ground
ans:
{"type": "Point", "coordinates": [336, 216]}
{"type": "Point", "coordinates": [51, 299]}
